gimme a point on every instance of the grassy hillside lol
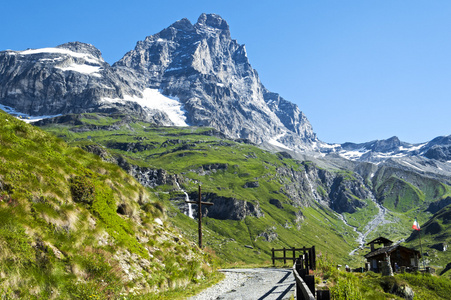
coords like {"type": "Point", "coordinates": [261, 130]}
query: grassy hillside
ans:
{"type": "Point", "coordinates": [435, 238]}
{"type": "Point", "coordinates": [280, 189]}
{"type": "Point", "coordinates": [73, 226]}
{"type": "Point", "coordinates": [274, 184]}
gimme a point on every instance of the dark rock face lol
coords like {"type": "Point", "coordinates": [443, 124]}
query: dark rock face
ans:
{"type": "Point", "coordinates": [151, 177]}
{"type": "Point", "coordinates": [442, 153]}
{"type": "Point", "coordinates": [146, 176]}
{"type": "Point", "coordinates": [440, 246]}
{"type": "Point", "coordinates": [432, 228]}
{"type": "Point", "coordinates": [439, 149]}
{"type": "Point", "coordinates": [339, 192]}
{"type": "Point", "coordinates": [438, 205]}
{"type": "Point", "coordinates": [346, 195]}
{"type": "Point", "coordinates": [251, 184]}
{"type": "Point", "coordinates": [388, 145]}
{"type": "Point", "coordinates": [276, 203]}
{"type": "Point", "coordinates": [131, 147]}
{"type": "Point", "coordinates": [225, 208]}
{"type": "Point", "coordinates": [404, 291]}
{"type": "Point", "coordinates": [446, 269]}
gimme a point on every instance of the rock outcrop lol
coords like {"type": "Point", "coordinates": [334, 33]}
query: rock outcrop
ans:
{"type": "Point", "coordinates": [226, 208]}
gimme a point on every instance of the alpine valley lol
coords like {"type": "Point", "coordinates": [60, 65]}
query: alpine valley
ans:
{"type": "Point", "coordinates": [186, 109]}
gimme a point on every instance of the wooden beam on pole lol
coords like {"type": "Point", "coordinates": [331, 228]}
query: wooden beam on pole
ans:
{"type": "Point", "coordinates": [199, 214]}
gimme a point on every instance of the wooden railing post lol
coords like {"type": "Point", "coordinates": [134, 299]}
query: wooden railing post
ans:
{"type": "Point", "coordinates": [301, 263]}
{"type": "Point", "coordinates": [322, 295]}
{"type": "Point", "coordinates": [273, 257]}
{"type": "Point", "coordinates": [298, 266]}
{"type": "Point", "coordinates": [310, 281]}
{"type": "Point", "coordinates": [313, 258]}
{"type": "Point", "coordinates": [284, 256]}
{"type": "Point", "coordinates": [305, 283]}
{"type": "Point", "coordinates": [303, 289]}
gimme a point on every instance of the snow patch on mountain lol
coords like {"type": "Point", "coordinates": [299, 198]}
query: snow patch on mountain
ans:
{"type": "Point", "coordinates": [411, 166]}
{"type": "Point", "coordinates": [81, 62]}
{"type": "Point", "coordinates": [412, 148]}
{"type": "Point", "coordinates": [82, 68]}
{"type": "Point", "coordinates": [87, 57]}
{"type": "Point", "coordinates": [24, 117]}
{"type": "Point", "coordinates": [153, 99]}
{"type": "Point", "coordinates": [275, 142]}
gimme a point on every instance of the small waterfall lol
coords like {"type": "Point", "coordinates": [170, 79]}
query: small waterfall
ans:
{"type": "Point", "coordinates": [190, 206]}
{"type": "Point", "coordinates": [312, 189]}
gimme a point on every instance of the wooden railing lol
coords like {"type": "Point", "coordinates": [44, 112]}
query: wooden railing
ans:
{"type": "Point", "coordinates": [308, 254]}
{"type": "Point", "coordinates": [306, 261]}
{"type": "Point", "coordinates": [305, 283]}
{"type": "Point", "coordinates": [304, 290]}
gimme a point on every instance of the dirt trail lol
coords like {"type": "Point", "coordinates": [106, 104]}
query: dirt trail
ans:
{"type": "Point", "coordinates": [259, 283]}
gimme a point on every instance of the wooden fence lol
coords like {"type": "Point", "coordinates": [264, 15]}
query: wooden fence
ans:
{"type": "Point", "coordinates": [290, 254]}
{"type": "Point", "coordinates": [304, 261]}
{"type": "Point", "coordinates": [305, 283]}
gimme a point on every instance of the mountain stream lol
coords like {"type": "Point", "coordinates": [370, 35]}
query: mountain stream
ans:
{"type": "Point", "coordinates": [370, 227]}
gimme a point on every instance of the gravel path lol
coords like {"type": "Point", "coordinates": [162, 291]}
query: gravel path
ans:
{"type": "Point", "coordinates": [258, 284]}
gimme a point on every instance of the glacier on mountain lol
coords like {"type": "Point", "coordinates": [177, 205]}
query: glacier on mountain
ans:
{"type": "Point", "coordinates": [153, 99]}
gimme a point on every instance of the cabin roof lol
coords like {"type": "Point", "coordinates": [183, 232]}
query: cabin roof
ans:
{"type": "Point", "coordinates": [389, 250]}
{"type": "Point", "coordinates": [380, 240]}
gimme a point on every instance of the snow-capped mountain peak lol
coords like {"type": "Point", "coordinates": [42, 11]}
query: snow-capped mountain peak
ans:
{"type": "Point", "coordinates": [392, 148]}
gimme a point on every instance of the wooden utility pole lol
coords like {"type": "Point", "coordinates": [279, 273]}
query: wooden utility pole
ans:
{"type": "Point", "coordinates": [199, 213]}
{"type": "Point", "coordinates": [421, 248]}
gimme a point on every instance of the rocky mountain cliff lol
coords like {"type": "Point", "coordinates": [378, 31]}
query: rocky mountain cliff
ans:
{"type": "Point", "coordinates": [70, 78]}
{"type": "Point", "coordinates": [184, 75]}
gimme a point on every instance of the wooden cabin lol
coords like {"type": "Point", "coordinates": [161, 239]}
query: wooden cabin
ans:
{"type": "Point", "coordinates": [403, 257]}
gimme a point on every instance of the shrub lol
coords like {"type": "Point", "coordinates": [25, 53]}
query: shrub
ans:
{"type": "Point", "coordinates": [82, 190]}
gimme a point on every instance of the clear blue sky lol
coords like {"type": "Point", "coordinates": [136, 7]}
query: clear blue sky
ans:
{"type": "Point", "coordinates": [359, 70]}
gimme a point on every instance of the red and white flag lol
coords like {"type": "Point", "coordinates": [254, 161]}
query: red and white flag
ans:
{"type": "Point", "coordinates": [415, 225]}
